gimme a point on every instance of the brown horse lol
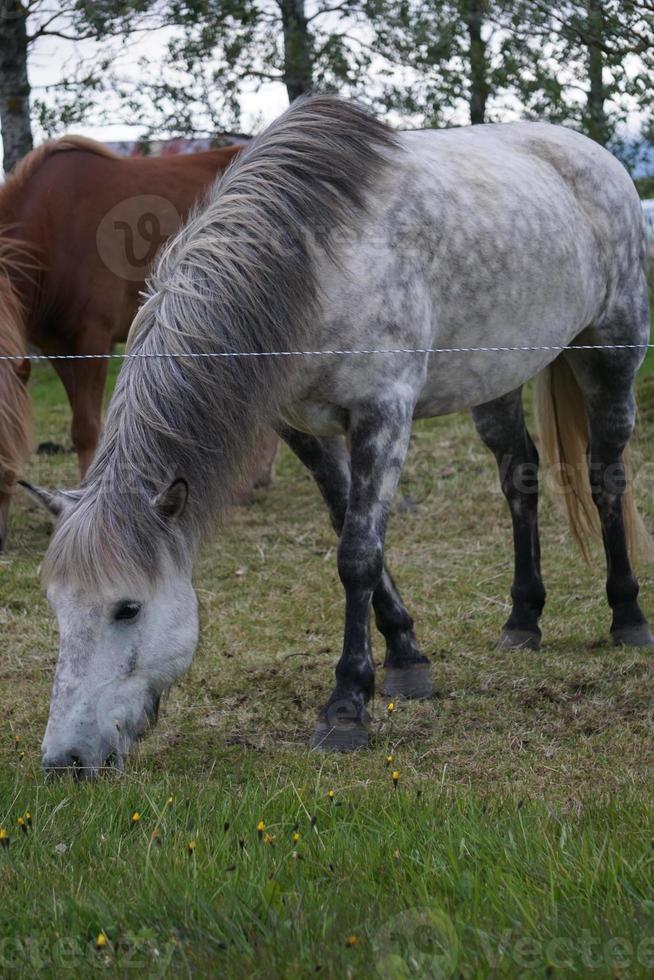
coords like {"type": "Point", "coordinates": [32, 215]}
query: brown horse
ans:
{"type": "Point", "coordinates": [91, 223]}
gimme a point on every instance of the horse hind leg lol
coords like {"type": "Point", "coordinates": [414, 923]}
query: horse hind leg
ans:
{"type": "Point", "coordinates": [501, 426]}
{"type": "Point", "coordinates": [606, 379]}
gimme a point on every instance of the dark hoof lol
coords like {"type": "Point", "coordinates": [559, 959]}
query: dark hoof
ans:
{"type": "Point", "coordinates": [519, 640]}
{"type": "Point", "coordinates": [408, 682]}
{"type": "Point", "coordinates": [341, 728]}
{"type": "Point", "coordinates": [633, 636]}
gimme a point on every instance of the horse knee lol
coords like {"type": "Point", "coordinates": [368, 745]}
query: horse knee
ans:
{"type": "Point", "coordinates": [360, 561]}
{"type": "Point", "coordinates": [85, 433]}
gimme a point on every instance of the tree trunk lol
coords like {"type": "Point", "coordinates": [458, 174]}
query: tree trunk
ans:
{"type": "Point", "coordinates": [298, 53]}
{"type": "Point", "coordinates": [14, 86]}
{"type": "Point", "coordinates": [473, 14]}
{"type": "Point", "coordinates": [597, 126]}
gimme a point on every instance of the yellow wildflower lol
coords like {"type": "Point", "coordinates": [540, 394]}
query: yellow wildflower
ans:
{"type": "Point", "coordinates": [136, 816]}
{"type": "Point", "coordinates": [192, 844]}
{"type": "Point", "coordinates": [296, 837]}
{"type": "Point", "coordinates": [395, 777]}
{"type": "Point", "coordinates": [351, 940]}
{"type": "Point", "coordinates": [390, 707]}
{"type": "Point", "coordinates": [101, 941]}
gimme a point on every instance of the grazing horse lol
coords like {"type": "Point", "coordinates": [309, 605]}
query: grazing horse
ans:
{"type": "Point", "coordinates": [93, 221]}
{"type": "Point", "coordinates": [512, 235]}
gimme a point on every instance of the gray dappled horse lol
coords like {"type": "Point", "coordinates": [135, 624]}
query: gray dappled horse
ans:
{"type": "Point", "coordinates": [332, 232]}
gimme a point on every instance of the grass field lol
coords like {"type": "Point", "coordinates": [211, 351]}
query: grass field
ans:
{"type": "Point", "coordinates": [519, 840]}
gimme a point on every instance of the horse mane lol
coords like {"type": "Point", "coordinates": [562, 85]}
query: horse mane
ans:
{"type": "Point", "coordinates": [242, 275]}
{"type": "Point", "coordinates": [15, 411]}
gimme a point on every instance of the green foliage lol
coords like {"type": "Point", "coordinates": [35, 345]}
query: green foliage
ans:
{"type": "Point", "coordinates": [585, 62]}
{"type": "Point", "coordinates": [457, 53]}
{"type": "Point", "coordinates": [222, 47]}
{"type": "Point", "coordinates": [645, 187]}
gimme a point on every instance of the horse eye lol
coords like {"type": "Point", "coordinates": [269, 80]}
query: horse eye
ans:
{"type": "Point", "coordinates": [127, 610]}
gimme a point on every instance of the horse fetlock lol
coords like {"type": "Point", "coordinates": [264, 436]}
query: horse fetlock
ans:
{"type": "Point", "coordinates": [412, 682]}
{"type": "Point", "coordinates": [629, 625]}
{"type": "Point", "coordinates": [402, 650]}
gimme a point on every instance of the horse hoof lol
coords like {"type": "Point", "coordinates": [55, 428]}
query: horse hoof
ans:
{"type": "Point", "coordinates": [633, 636]}
{"type": "Point", "coordinates": [341, 728]}
{"type": "Point", "coordinates": [412, 682]}
{"type": "Point", "coordinates": [519, 640]}
{"type": "Point", "coordinates": [326, 738]}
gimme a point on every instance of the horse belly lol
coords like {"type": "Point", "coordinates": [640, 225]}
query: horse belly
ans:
{"type": "Point", "coordinates": [458, 381]}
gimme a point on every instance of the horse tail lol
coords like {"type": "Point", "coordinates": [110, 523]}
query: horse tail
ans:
{"type": "Point", "coordinates": [15, 406]}
{"type": "Point", "coordinates": [563, 428]}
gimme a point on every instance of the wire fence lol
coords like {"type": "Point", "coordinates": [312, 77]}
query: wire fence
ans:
{"type": "Point", "coordinates": [157, 355]}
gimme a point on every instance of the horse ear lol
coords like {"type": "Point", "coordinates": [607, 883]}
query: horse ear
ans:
{"type": "Point", "coordinates": [56, 501]}
{"type": "Point", "coordinates": [170, 503]}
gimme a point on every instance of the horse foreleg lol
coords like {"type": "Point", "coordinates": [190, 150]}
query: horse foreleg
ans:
{"type": "Point", "coordinates": [407, 670]}
{"type": "Point", "coordinates": [84, 381]}
{"type": "Point", "coordinates": [501, 426]}
{"type": "Point", "coordinates": [379, 441]}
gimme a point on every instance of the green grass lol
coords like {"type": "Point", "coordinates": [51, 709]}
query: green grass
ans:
{"type": "Point", "coordinates": [518, 842]}
{"type": "Point", "coordinates": [441, 880]}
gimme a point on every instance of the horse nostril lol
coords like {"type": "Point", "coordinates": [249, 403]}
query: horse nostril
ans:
{"type": "Point", "coordinates": [112, 762]}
